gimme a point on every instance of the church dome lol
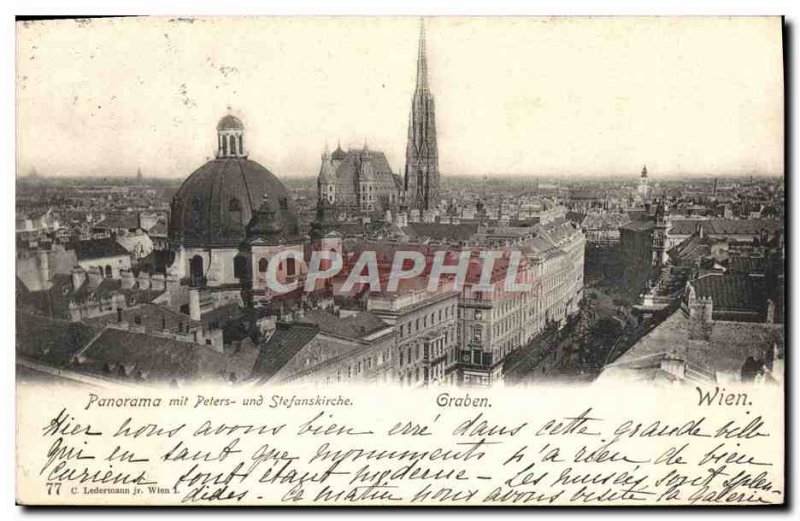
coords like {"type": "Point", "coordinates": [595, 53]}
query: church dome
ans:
{"type": "Point", "coordinates": [214, 205]}
{"type": "Point", "coordinates": [230, 122]}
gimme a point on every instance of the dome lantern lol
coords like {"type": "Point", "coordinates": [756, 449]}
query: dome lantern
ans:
{"type": "Point", "coordinates": [230, 137]}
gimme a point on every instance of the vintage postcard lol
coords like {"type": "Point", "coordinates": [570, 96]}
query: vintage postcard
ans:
{"type": "Point", "coordinates": [403, 261]}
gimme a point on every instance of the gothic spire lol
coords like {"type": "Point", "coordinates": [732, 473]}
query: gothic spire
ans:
{"type": "Point", "coordinates": [422, 59]}
{"type": "Point", "coordinates": [422, 163]}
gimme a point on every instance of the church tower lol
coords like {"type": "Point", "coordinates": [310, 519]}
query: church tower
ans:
{"type": "Point", "coordinates": [422, 156]}
{"type": "Point", "coordinates": [644, 189]}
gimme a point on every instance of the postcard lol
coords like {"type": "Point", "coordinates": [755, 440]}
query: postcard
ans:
{"type": "Point", "coordinates": [438, 261]}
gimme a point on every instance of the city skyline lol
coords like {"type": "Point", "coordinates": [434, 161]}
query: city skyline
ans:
{"type": "Point", "coordinates": [544, 118]}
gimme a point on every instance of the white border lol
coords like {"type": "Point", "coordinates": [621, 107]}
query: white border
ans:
{"type": "Point", "coordinates": [789, 8]}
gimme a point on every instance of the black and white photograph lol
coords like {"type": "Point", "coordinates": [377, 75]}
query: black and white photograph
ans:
{"type": "Point", "coordinates": [425, 212]}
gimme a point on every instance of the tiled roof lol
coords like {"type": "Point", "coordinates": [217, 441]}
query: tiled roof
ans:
{"type": "Point", "coordinates": [747, 265]}
{"type": "Point", "coordinates": [356, 326]}
{"type": "Point", "coordinates": [732, 292]}
{"type": "Point", "coordinates": [727, 349]}
{"type": "Point", "coordinates": [50, 341]}
{"type": "Point", "coordinates": [639, 226]}
{"type": "Point", "coordinates": [154, 317]}
{"type": "Point", "coordinates": [639, 215]}
{"type": "Point", "coordinates": [282, 346]}
{"type": "Point", "coordinates": [159, 229]}
{"type": "Point", "coordinates": [725, 226]}
{"type": "Point", "coordinates": [605, 221]}
{"type": "Point", "coordinates": [692, 248]}
{"type": "Point", "coordinates": [124, 220]}
{"type": "Point", "coordinates": [438, 231]}
{"type": "Point", "coordinates": [132, 355]}
{"type": "Point", "coordinates": [576, 217]}
{"type": "Point", "coordinates": [98, 248]}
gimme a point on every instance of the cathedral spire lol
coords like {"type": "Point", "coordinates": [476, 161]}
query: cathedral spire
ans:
{"type": "Point", "coordinates": [422, 59]}
{"type": "Point", "coordinates": [422, 157]}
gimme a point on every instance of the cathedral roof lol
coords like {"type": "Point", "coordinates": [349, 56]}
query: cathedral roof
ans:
{"type": "Point", "coordinates": [348, 171]}
{"type": "Point", "coordinates": [327, 172]}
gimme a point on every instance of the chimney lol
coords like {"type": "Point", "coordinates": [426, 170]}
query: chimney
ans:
{"type": "Point", "coordinates": [78, 277]}
{"type": "Point", "coordinates": [95, 276]}
{"type": "Point", "coordinates": [770, 311]}
{"type": "Point", "coordinates": [44, 268]}
{"type": "Point", "coordinates": [172, 282]}
{"type": "Point", "coordinates": [194, 304]}
{"type": "Point", "coordinates": [700, 324]}
{"type": "Point", "coordinates": [128, 280]}
{"type": "Point", "coordinates": [157, 282]}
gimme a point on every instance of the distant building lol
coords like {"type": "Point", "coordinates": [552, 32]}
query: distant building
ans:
{"type": "Point", "coordinates": [739, 230]}
{"type": "Point", "coordinates": [358, 181]}
{"type": "Point", "coordinates": [105, 255]}
{"type": "Point", "coordinates": [643, 189]}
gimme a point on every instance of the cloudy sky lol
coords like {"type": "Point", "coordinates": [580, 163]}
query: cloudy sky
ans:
{"type": "Point", "coordinates": [520, 96]}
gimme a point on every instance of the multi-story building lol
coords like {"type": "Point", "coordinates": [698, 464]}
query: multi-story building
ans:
{"type": "Point", "coordinates": [425, 333]}
{"type": "Point", "coordinates": [321, 347]}
{"type": "Point", "coordinates": [491, 323]}
{"type": "Point", "coordinates": [556, 256]}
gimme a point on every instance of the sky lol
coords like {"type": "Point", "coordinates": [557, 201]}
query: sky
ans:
{"type": "Point", "coordinates": [514, 96]}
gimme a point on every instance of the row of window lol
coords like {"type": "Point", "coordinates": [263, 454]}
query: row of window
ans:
{"type": "Point", "coordinates": [422, 322]}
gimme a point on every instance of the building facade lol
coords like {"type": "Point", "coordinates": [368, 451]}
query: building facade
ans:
{"type": "Point", "coordinates": [425, 333]}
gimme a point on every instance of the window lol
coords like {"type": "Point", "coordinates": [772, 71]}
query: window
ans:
{"type": "Point", "coordinates": [239, 267]}
{"type": "Point", "coordinates": [108, 272]}
{"type": "Point", "coordinates": [234, 205]}
{"type": "Point", "coordinates": [262, 265]}
{"type": "Point", "coordinates": [290, 266]}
